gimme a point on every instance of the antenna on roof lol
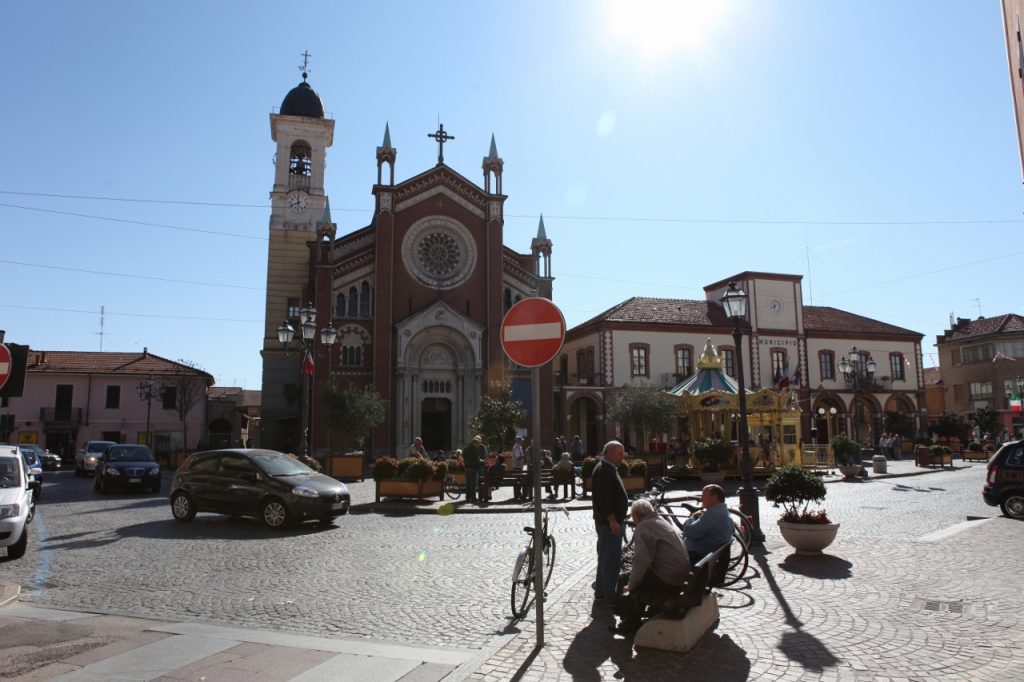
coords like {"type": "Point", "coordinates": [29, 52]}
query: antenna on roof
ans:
{"type": "Point", "coordinates": [102, 309]}
{"type": "Point", "coordinates": [977, 302]}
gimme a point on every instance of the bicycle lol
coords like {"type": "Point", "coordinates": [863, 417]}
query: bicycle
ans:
{"type": "Point", "coordinates": [524, 573]}
{"type": "Point", "coordinates": [452, 489]}
{"type": "Point", "coordinates": [742, 531]}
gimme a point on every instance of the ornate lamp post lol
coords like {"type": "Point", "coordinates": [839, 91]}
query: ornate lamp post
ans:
{"type": "Point", "coordinates": [828, 421]}
{"type": "Point", "coordinates": [734, 301]}
{"type": "Point", "coordinates": [307, 343]}
{"type": "Point", "coordinates": [146, 391]}
{"type": "Point", "coordinates": [853, 368]}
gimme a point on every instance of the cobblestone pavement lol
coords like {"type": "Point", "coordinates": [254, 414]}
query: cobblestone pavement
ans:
{"type": "Point", "coordinates": [941, 606]}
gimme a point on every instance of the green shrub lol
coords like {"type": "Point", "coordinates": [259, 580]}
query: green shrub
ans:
{"type": "Point", "coordinates": [974, 446]}
{"type": "Point", "coordinates": [794, 488]}
{"type": "Point", "coordinates": [713, 453]}
{"type": "Point", "coordinates": [418, 469]}
{"type": "Point", "coordinates": [845, 451]}
{"type": "Point", "coordinates": [587, 468]}
{"type": "Point", "coordinates": [637, 467]}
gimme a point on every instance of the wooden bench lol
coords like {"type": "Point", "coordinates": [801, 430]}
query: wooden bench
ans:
{"type": "Point", "coordinates": [548, 479]}
{"type": "Point", "coordinates": [681, 621]}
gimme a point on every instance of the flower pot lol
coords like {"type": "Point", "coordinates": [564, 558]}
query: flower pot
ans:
{"type": "Point", "coordinates": [808, 538]}
{"type": "Point", "coordinates": [850, 471]}
{"type": "Point", "coordinates": [345, 466]}
{"type": "Point", "coordinates": [403, 487]}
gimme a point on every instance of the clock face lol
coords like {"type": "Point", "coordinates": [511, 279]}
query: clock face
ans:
{"type": "Point", "coordinates": [775, 306]}
{"type": "Point", "coordinates": [298, 202]}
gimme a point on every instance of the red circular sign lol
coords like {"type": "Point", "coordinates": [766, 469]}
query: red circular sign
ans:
{"type": "Point", "coordinates": [6, 364]}
{"type": "Point", "coordinates": [532, 332]}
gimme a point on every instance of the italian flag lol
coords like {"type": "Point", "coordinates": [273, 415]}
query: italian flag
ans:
{"type": "Point", "coordinates": [1015, 403]}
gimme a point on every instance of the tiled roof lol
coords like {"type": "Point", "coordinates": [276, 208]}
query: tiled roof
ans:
{"type": "Point", "coordinates": [82, 362]}
{"type": "Point", "coordinates": [689, 313]}
{"type": "Point", "coordinates": [243, 396]}
{"type": "Point", "coordinates": [668, 311]}
{"type": "Point", "coordinates": [823, 318]}
{"type": "Point", "coordinates": [965, 329]}
{"type": "Point", "coordinates": [932, 376]}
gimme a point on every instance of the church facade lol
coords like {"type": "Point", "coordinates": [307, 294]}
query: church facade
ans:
{"type": "Point", "coordinates": [416, 297]}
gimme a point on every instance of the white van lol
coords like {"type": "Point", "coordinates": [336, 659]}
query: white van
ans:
{"type": "Point", "coordinates": [16, 505]}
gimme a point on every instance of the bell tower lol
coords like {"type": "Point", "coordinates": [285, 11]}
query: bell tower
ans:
{"type": "Point", "coordinates": [297, 204]}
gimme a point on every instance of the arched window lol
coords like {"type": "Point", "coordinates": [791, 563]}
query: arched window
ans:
{"type": "Point", "coordinates": [508, 299]}
{"type": "Point", "coordinates": [339, 305]}
{"type": "Point", "coordinates": [364, 300]}
{"type": "Point", "coordinates": [353, 302]}
{"type": "Point", "coordinates": [300, 159]}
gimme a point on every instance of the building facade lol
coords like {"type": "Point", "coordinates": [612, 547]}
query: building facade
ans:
{"type": "Point", "coordinates": [416, 297]}
{"type": "Point", "coordinates": [233, 415]}
{"type": "Point", "coordinates": [980, 364]}
{"type": "Point", "coordinates": [71, 397]}
{"type": "Point", "coordinates": [784, 344]}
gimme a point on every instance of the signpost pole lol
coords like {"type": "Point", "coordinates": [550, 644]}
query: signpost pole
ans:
{"type": "Point", "coordinates": [538, 531]}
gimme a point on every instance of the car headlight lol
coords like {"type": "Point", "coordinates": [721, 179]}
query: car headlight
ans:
{"type": "Point", "coordinates": [303, 491]}
{"type": "Point", "coordinates": [9, 511]}
{"type": "Point", "coordinates": [154, 471]}
{"type": "Point", "coordinates": [111, 471]}
{"type": "Point", "coordinates": [90, 459]}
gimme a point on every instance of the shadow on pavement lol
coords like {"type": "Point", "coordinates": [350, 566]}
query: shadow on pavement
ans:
{"type": "Point", "coordinates": [825, 567]}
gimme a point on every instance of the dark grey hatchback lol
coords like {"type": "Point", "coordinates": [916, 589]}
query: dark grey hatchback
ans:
{"type": "Point", "coordinates": [270, 485]}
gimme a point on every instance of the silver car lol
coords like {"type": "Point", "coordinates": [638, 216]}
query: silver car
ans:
{"type": "Point", "coordinates": [89, 456]}
{"type": "Point", "coordinates": [16, 505]}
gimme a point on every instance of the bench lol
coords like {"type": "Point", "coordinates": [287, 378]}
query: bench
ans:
{"type": "Point", "coordinates": [548, 479]}
{"type": "Point", "coordinates": [681, 621]}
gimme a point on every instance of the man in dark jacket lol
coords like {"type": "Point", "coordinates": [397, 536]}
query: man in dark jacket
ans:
{"type": "Point", "coordinates": [473, 456]}
{"type": "Point", "coordinates": [610, 503]}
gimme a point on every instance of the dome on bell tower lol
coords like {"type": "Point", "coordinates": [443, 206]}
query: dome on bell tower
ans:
{"type": "Point", "coordinates": [302, 100]}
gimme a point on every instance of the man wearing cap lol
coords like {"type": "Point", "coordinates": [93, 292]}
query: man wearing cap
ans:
{"type": "Point", "coordinates": [473, 456]}
{"type": "Point", "coordinates": [609, 502]}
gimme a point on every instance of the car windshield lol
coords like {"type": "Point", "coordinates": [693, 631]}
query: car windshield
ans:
{"type": "Point", "coordinates": [98, 447]}
{"type": "Point", "coordinates": [129, 453]}
{"type": "Point", "coordinates": [277, 464]}
{"type": "Point", "coordinates": [10, 472]}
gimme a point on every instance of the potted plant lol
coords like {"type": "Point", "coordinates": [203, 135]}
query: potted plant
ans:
{"type": "Point", "coordinates": [348, 465]}
{"type": "Point", "coordinates": [713, 454]}
{"type": "Point", "coordinates": [634, 475]}
{"type": "Point", "coordinates": [794, 489]}
{"type": "Point", "coordinates": [938, 454]}
{"type": "Point", "coordinates": [847, 456]}
{"type": "Point", "coordinates": [975, 451]}
{"type": "Point", "coordinates": [411, 477]}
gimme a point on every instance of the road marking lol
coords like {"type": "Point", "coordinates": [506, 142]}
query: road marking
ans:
{"type": "Point", "coordinates": [944, 533]}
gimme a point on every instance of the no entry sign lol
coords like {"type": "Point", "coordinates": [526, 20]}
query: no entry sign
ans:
{"type": "Point", "coordinates": [6, 364]}
{"type": "Point", "coordinates": [532, 332]}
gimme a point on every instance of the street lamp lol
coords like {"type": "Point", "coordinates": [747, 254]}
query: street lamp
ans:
{"type": "Point", "coordinates": [828, 422]}
{"type": "Point", "coordinates": [853, 368]}
{"type": "Point", "coordinates": [734, 301]}
{"type": "Point", "coordinates": [307, 343]}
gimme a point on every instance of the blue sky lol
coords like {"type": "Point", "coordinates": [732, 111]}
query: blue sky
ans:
{"type": "Point", "coordinates": [868, 146]}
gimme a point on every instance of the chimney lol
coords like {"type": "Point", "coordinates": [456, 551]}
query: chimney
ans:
{"type": "Point", "coordinates": [2, 332]}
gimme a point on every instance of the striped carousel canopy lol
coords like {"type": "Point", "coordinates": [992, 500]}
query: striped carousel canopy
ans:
{"type": "Point", "coordinates": [709, 376]}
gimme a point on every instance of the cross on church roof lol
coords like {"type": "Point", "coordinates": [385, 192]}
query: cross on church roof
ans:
{"type": "Point", "coordinates": [305, 64]}
{"type": "Point", "coordinates": [441, 136]}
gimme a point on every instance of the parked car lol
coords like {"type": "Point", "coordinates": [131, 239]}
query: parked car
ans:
{"type": "Point", "coordinates": [35, 470]}
{"type": "Point", "coordinates": [49, 460]}
{"type": "Point", "coordinates": [126, 467]}
{"type": "Point", "coordinates": [16, 505]}
{"type": "Point", "coordinates": [89, 455]}
{"type": "Point", "coordinates": [269, 485]}
{"type": "Point", "coordinates": [1004, 484]}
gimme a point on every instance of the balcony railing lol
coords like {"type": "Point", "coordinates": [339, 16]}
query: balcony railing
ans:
{"type": "Point", "coordinates": [66, 415]}
{"type": "Point", "coordinates": [871, 385]}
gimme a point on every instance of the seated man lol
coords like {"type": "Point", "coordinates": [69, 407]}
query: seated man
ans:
{"type": "Point", "coordinates": [707, 530]}
{"type": "Point", "coordinates": [660, 566]}
{"type": "Point", "coordinates": [498, 468]}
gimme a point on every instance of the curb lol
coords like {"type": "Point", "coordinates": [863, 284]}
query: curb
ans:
{"type": "Point", "coordinates": [8, 592]}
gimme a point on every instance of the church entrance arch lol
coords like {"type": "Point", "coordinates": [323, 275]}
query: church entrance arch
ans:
{"type": "Point", "coordinates": [436, 423]}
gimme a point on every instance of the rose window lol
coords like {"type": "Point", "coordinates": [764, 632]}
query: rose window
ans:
{"type": "Point", "coordinates": [438, 254]}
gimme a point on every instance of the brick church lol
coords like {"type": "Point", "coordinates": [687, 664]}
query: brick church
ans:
{"type": "Point", "coordinates": [416, 297]}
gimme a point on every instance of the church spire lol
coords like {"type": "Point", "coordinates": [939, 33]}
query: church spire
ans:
{"type": "Point", "coordinates": [540, 247]}
{"type": "Point", "coordinates": [386, 154]}
{"type": "Point", "coordinates": [492, 164]}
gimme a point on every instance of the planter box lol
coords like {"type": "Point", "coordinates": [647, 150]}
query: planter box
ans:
{"type": "Point", "coordinates": [403, 487]}
{"type": "Point", "coordinates": [980, 456]}
{"type": "Point", "coordinates": [345, 466]}
{"type": "Point", "coordinates": [634, 484]}
{"type": "Point", "coordinates": [930, 460]}
{"type": "Point", "coordinates": [458, 477]}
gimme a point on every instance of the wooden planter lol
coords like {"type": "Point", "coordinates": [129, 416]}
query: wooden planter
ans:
{"type": "Point", "coordinates": [403, 487]}
{"type": "Point", "coordinates": [458, 477]}
{"type": "Point", "coordinates": [345, 466]}
{"type": "Point", "coordinates": [634, 484]}
{"type": "Point", "coordinates": [930, 460]}
{"type": "Point", "coordinates": [979, 456]}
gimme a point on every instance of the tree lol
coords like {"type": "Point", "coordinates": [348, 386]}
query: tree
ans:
{"type": "Point", "coordinates": [498, 416]}
{"type": "Point", "coordinates": [353, 411]}
{"type": "Point", "coordinates": [988, 421]}
{"type": "Point", "coordinates": [951, 425]}
{"type": "Point", "coordinates": [185, 391]}
{"type": "Point", "coordinates": [642, 408]}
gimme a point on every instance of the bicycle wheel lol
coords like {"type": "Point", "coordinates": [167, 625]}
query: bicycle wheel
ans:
{"type": "Point", "coordinates": [743, 525]}
{"type": "Point", "coordinates": [522, 581]}
{"type": "Point", "coordinates": [628, 531]}
{"type": "Point", "coordinates": [452, 489]}
{"type": "Point", "coordinates": [737, 568]}
{"type": "Point", "coordinates": [549, 559]}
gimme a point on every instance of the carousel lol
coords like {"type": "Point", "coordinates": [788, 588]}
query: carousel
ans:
{"type": "Point", "coordinates": [708, 401]}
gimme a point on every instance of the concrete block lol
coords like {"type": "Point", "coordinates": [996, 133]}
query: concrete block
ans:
{"type": "Point", "coordinates": [681, 634]}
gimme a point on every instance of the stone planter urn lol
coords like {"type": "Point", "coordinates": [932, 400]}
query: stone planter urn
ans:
{"type": "Point", "coordinates": [808, 538]}
{"type": "Point", "coordinates": [850, 471]}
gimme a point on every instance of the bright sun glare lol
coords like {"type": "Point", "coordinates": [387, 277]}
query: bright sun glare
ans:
{"type": "Point", "coordinates": [656, 29]}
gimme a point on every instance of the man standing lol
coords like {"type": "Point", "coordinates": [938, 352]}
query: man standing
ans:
{"type": "Point", "coordinates": [707, 530]}
{"type": "Point", "coordinates": [660, 564]}
{"type": "Point", "coordinates": [610, 502]}
{"type": "Point", "coordinates": [473, 456]}
{"type": "Point", "coordinates": [518, 466]}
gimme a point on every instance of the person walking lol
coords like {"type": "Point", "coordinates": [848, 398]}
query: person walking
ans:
{"type": "Point", "coordinates": [610, 503]}
{"type": "Point", "coordinates": [473, 456]}
{"type": "Point", "coordinates": [518, 466]}
{"type": "Point", "coordinates": [576, 450]}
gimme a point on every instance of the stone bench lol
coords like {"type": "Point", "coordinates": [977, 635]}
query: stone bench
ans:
{"type": "Point", "coordinates": [697, 605]}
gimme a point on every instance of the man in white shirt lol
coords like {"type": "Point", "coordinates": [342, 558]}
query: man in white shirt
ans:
{"type": "Point", "coordinates": [518, 465]}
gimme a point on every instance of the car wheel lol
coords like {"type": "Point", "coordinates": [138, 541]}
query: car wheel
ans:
{"type": "Point", "coordinates": [1013, 505]}
{"type": "Point", "coordinates": [17, 550]}
{"type": "Point", "coordinates": [182, 508]}
{"type": "Point", "coordinates": [274, 513]}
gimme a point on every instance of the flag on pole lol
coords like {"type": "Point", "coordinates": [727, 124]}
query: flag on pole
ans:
{"type": "Point", "coordinates": [307, 365]}
{"type": "Point", "coordinates": [1002, 356]}
{"type": "Point", "coordinates": [1015, 405]}
{"type": "Point", "coordinates": [778, 377]}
